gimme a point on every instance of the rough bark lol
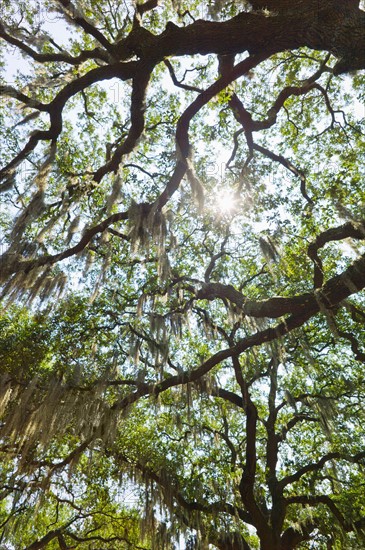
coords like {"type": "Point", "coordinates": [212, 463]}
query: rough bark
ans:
{"type": "Point", "coordinates": [331, 26]}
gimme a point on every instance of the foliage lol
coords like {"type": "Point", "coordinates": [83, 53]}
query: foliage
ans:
{"type": "Point", "coordinates": [182, 275]}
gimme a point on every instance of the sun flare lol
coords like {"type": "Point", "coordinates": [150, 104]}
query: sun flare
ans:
{"type": "Point", "coordinates": [226, 202]}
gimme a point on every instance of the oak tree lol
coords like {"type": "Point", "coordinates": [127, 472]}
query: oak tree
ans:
{"type": "Point", "coordinates": [182, 274]}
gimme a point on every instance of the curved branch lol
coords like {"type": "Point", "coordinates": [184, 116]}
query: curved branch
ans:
{"type": "Point", "coordinates": [287, 92]}
{"type": "Point", "coordinates": [10, 91]}
{"type": "Point", "coordinates": [140, 83]}
{"type": "Point", "coordinates": [124, 71]}
{"type": "Point", "coordinates": [289, 166]}
{"type": "Point", "coordinates": [51, 535]}
{"type": "Point", "coordinates": [164, 481]}
{"type": "Point", "coordinates": [310, 500]}
{"type": "Point", "coordinates": [354, 230]}
{"type": "Point", "coordinates": [96, 53]}
{"type": "Point", "coordinates": [359, 355]}
{"type": "Point", "coordinates": [177, 82]}
{"type": "Point", "coordinates": [182, 128]}
{"type": "Point", "coordinates": [193, 375]}
{"type": "Point", "coordinates": [315, 466]}
{"type": "Point", "coordinates": [76, 16]}
{"type": "Point", "coordinates": [50, 259]}
{"type": "Point", "coordinates": [338, 288]}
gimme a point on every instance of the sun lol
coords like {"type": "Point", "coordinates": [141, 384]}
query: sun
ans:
{"type": "Point", "coordinates": [226, 202]}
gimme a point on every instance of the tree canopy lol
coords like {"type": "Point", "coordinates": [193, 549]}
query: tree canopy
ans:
{"type": "Point", "coordinates": [182, 271]}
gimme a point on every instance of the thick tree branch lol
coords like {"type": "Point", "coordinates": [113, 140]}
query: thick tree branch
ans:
{"type": "Point", "coordinates": [338, 288]}
{"type": "Point", "coordinates": [316, 26]}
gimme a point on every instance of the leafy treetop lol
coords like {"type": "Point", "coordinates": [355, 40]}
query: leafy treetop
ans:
{"type": "Point", "coordinates": [182, 268]}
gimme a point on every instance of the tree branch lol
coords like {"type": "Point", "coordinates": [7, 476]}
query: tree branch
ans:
{"type": "Point", "coordinates": [315, 466]}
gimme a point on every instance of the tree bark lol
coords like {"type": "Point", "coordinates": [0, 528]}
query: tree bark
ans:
{"type": "Point", "coordinates": [336, 27]}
